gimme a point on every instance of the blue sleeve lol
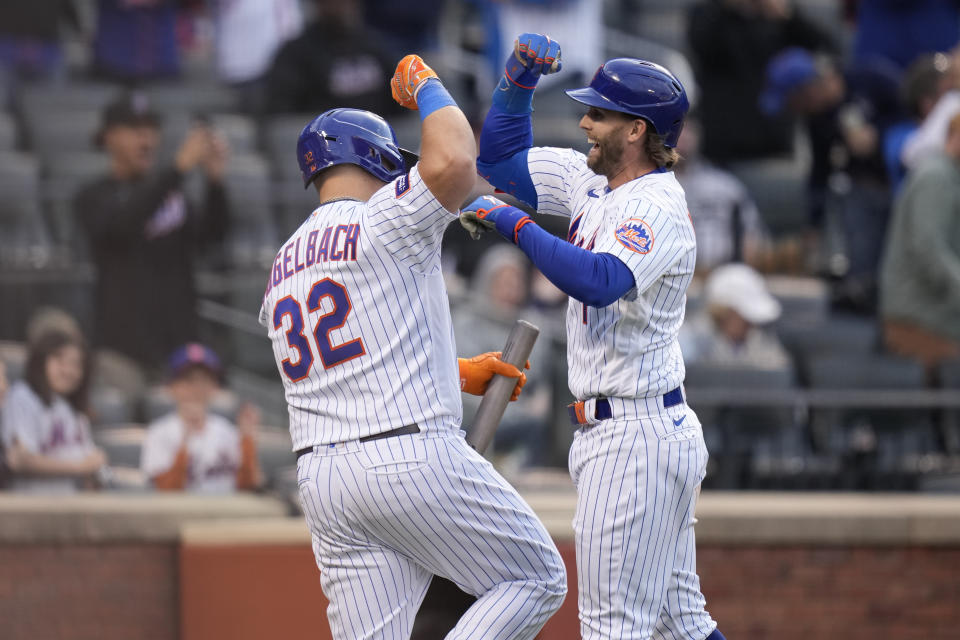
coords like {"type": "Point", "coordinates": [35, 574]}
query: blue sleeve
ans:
{"type": "Point", "coordinates": [595, 279]}
{"type": "Point", "coordinates": [504, 141]}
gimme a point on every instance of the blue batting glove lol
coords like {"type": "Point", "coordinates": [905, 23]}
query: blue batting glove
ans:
{"type": "Point", "coordinates": [493, 213]}
{"type": "Point", "coordinates": [533, 55]}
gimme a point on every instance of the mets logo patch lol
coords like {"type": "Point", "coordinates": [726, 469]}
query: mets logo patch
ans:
{"type": "Point", "coordinates": [635, 234]}
{"type": "Point", "coordinates": [403, 184]}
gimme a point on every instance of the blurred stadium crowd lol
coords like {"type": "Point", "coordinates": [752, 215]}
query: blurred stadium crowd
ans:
{"type": "Point", "coordinates": [147, 178]}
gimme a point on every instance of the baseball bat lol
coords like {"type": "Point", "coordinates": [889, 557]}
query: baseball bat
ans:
{"type": "Point", "coordinates": [445, 603]}
{"type": "Point", "coordinates": [516, 352]}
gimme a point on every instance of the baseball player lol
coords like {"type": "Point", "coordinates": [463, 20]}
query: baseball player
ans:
{"type": "Point", "coordinates": [638, 458]}
{"type": "Point", "coordinates": [358, 316]}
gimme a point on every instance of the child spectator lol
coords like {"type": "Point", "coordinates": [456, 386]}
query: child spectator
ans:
{"type": "Point", "coordinates": [45, 430]}
{"type": "Point", "coordinates": [193, 449]}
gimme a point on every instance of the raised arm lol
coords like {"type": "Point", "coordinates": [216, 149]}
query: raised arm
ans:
{"type": "Point", "coordinates": [507, 132]}
{"type": "Point", "coordinates": [448, 150]}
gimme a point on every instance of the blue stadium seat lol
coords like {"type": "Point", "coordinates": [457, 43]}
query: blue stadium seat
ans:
{"type": "Point", "coordinates": [878, 446]}
{"type": "Point", "coordinates": [754, 447]}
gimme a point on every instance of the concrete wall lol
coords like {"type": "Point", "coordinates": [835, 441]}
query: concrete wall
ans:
{"type": "Point", "coordinates": [779, 566]}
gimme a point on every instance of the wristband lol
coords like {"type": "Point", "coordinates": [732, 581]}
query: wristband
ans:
{"type": "Point", "coordinates": [432, 95]}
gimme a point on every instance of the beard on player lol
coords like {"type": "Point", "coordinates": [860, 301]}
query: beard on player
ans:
{"type": "Point", "coordinates": [606, 156]}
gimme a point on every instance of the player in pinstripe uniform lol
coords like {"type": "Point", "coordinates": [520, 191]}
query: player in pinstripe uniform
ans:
{"type": "Point", "coordinates": [360, 324]}
{"type": "Point", "coordinates": [638, 458]}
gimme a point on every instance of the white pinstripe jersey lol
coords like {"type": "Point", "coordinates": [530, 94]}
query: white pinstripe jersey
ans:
{"type": "Point", "coordinates": [628, 349]}
{"type": "Point", "coordinates": [358, 315]}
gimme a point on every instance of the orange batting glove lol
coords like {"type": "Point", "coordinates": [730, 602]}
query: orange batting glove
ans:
{"type": "Point", "coordinates": [476, 373]}
{"type": "Point", "coordinates": [410, 75]}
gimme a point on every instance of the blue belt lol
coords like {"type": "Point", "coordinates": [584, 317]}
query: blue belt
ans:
{"type": "Point", "coordinates": [577, 410]}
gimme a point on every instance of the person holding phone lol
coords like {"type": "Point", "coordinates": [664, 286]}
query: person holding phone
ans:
{"type": "Point", "coordinates": [144, 234]}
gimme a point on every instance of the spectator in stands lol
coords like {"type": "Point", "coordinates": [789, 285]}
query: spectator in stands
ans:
{"type": "Point", "coordinates": [45, 430]}
{"type": "Point", "coordinates": [926, 81]}
{"type": "Point", "coordinates": [144, 234]}
{"type": "Point", "coordinates": [920, 277]}
{"type": "Point", "coordinates": [335, 62]}
{"type": "Point", "coordinates": [193, 449]}
{"type": "Point", "coordinates": [727, 224]}
{"type": "Point", "coordinates": [248, 34]}
{"type": "Point", "coordinates": [30, 41]}
{"type": "Point", "coordinates": [405, 27]}
{"type": "Point", "coordinates": [733, 329]}
{"type": "Point", "coordinates": [845, 113]}
{"type": "Point", "coordinates": [732, 42]}
{"type": "Point", "coordinates": [499, 295]}
{"type": "Point", "coordinates": [931, 135]}
{"type": "Point", "coordinates": [137, 40]}
{"type": "Point", "coordinates": [901, 30]}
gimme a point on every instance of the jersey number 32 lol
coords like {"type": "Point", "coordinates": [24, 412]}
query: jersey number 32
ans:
{"type": "Point", "coordinates": [330, 355]}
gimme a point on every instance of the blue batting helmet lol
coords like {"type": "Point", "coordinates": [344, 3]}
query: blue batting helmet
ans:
{"type": "Point", "coordinates": [350, 136]}
{"type": "Point", "coordinates": [641, 89]}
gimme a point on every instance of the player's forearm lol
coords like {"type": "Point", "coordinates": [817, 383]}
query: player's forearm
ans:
{"type": "Point", "coordinates": [447, 154]}
{"type": "Point", "coordinates": [595, 279]}
{"type": "Point", "coordinates": [504, 142]}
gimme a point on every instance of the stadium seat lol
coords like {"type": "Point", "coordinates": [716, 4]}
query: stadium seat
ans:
{"type": "Point", "coordinates": [838, 334]}
{"type": "Point", "coordinates": [253, 232]}
{"type": "Point", "coordinates": [111, 406]}
{"type": "Point", "coordinates": [24, 234]}
{"type": "Point", "coordinates": [249, 347]}
{"type": "Point", "coordinates": [805, 301]}
{"type": "Point", "coordinates": [19, 175]}
{"type": "Point", "coordinates": [755, 447]}
{"type": "Point", "coordinates": [280, 137]}
{"type": "Point", "coordinates": [662, 21]}
{"type": "Point", "coordinates": [122, 444]}
{"type": "Point", "coordinates": [204, 98]}
{"type": "Point", "coordinates": [156, 403]}
{"type": "Point", "coordinates": [950, 379]}
{"type": "Point", "coordinates": [294, 211]}
{"type": "Point", "coordinates": [66, 97]}
{"type": "Point", "coordinates": [14, 356]}
{"type": "Point", "coordinates": [24, 237]}
{"type": "Point", "coordinates": [239, 130]}
{"type": "Point", "coordinates": [66, 173]}
{"type": "Point", "coordinates": [8, 132]}
{"type": "Point", "coordinates": [877, 445]}
{"type": "Point", "coordinates": [407, 128]}
{"type": "Point", "coordinates": [779, 188]}
{"type": "Point", "coordinates": [116, 370]}
{"type": "Point", "coordinates": [950, 374]}
{"type": "Point", "coordinates": [274, 451]}
{"type": "Point", "coordinates": [54, 130]}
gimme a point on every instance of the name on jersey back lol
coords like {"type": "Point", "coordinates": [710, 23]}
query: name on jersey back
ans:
{"type": "Point", "coordinates": [336, 243]}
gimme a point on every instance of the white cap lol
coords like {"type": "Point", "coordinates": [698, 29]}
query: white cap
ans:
{"type": "Point", "coordinates": [742, 289]}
